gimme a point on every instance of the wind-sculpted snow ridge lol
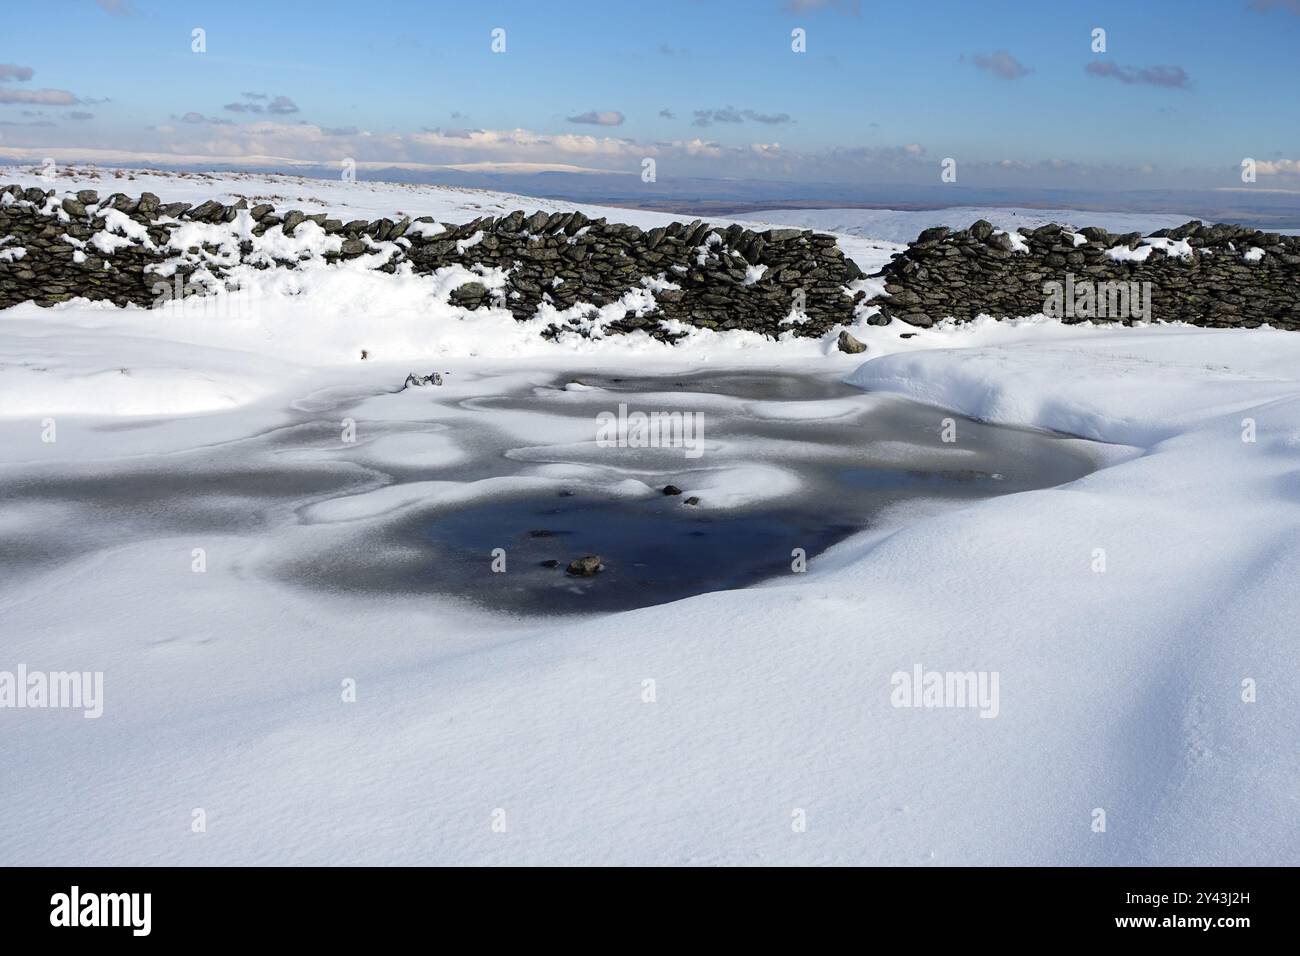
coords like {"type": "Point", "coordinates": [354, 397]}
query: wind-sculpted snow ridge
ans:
{"type": "Point", "coordinates": [581, 275]}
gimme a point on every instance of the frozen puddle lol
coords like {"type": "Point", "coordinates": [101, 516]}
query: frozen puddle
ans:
{"type": "Point", "coordinates": [485, 491]}
{"type": "Point", "coordinates": [789, 462]}
{"type": "Point", "coordinates": [652, 551]}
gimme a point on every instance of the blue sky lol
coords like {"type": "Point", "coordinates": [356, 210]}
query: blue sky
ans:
{"type": "Point", "coordinates": [708, 88]}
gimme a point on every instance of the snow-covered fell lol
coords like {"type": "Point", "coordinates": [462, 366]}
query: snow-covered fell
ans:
{"type": "Point", "coordinates": [1121, 689]}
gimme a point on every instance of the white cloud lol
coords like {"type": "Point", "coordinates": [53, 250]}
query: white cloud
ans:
{"type": "Point", "coordinates": [116, 8]}
{"type": "Point", "coordinates": [12, 71]}
{"type": "Point", "coordinates": [729, 114]}
{"type": "Point", "coordinates": [1278, 167]}
{"type": "Point", "coordinates": [852, 7]}
{"type": "Point", "coordinates": [44, 97]}
{"type": "Point", "coordinates": [279, 105]}
{"type": "Point", "coordinates": [200, 139]}
{"type": "Point", "coordinates": [599, 118]}
{"type": "Point", "coordinates": [1001, 64]}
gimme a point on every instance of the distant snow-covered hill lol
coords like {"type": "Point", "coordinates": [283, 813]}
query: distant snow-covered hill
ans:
{"type": "Point", "coordinates": [903, 225]}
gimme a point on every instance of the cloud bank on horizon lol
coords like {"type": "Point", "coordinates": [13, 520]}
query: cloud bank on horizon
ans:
{"type": "Point", "coordinates": [805, 91]}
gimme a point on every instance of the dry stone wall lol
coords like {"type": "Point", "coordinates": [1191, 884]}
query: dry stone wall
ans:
{"type": "Point", "coordinates": [1218, 276]}
{"type": "Point", "coordinates": [118, 248]}
{"type": "Point", "coordinates": [564, 268]}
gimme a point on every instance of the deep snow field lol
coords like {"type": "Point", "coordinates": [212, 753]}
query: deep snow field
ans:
{"type": "Point", "coordinates": [1122, 611]}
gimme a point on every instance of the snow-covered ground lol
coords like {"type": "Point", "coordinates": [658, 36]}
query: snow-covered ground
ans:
{"type": "Point", "coordinates": [1140, 621]}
